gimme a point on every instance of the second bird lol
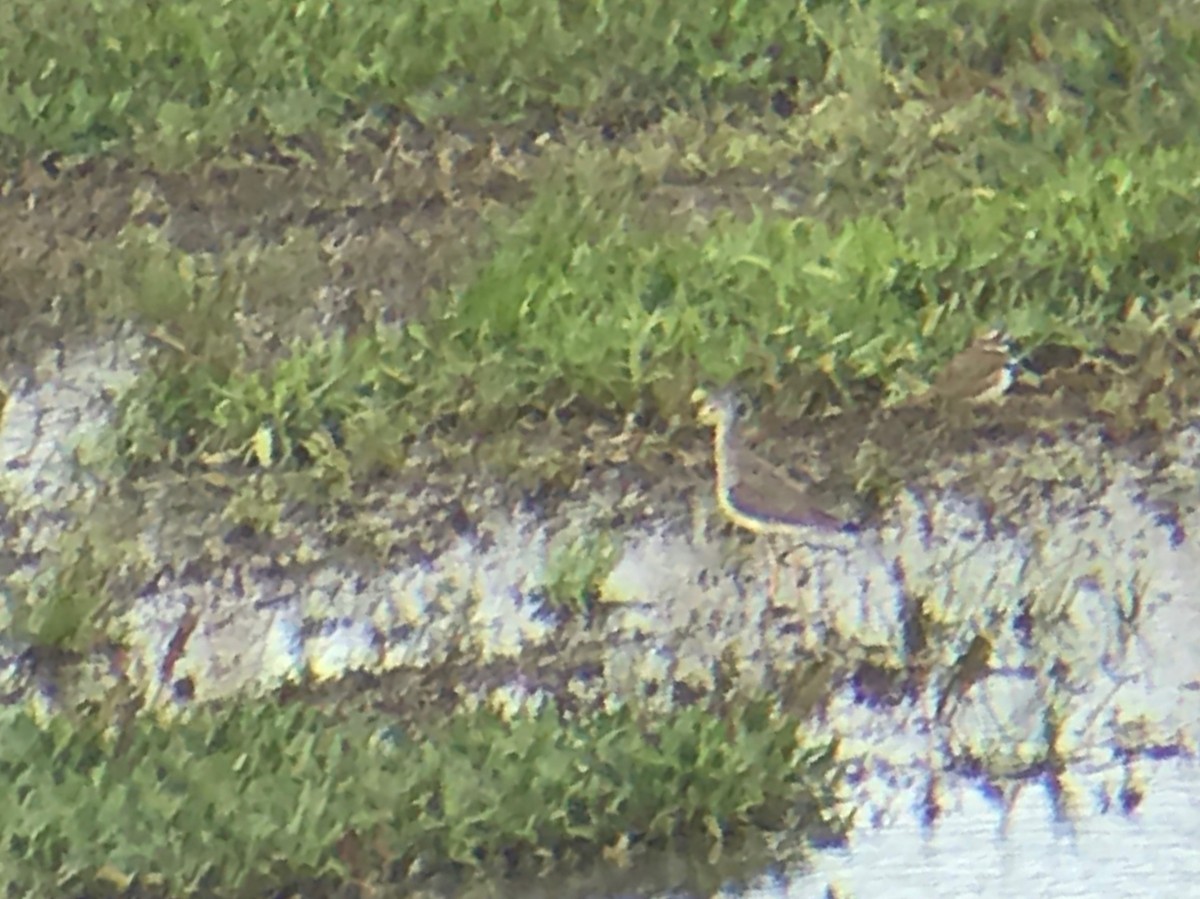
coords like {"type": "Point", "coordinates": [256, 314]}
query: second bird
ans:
{"type": "Point", "coordinates": [981, 373]}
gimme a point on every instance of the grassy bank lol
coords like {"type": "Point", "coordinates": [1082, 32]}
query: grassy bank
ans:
{"type": "Point", "coordinates": [235, 801]}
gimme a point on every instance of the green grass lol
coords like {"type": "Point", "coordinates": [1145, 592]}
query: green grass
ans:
{"type": "Point", "coordinates": [232, 801]}
{"type": "Point", "coordinates": [174, 79]}
{"type": "Point", "coordinates": [955, 165]}
{"type": "Point", "coordinates": [814, 200]}
{"type": "Point", "coordinates": [580, 298]}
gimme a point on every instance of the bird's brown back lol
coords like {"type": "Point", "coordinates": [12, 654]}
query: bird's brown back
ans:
{"type": "Point", "coordinates": [765, 491]}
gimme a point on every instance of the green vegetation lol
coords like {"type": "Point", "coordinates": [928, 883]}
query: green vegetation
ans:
{"type": "Point", "coordinates": [1022, 180]}
{"type": "Point", "coordinates": [382, 241]}
{"type": "Point", "coordinates": [589, 305]}
{"type": "Point", "coordinates": [177, 78]}
{"type": "Point", "coordinates": [231, 801]}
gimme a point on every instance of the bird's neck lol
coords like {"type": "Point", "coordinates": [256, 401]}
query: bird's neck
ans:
{"type": "Point", "coordinates": [723, 451]}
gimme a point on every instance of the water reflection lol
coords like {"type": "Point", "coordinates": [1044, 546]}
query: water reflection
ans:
{"type": "Point", "coordinates": [1020, 708]}
{"type": "Point", "coordinates": [1022, 847]}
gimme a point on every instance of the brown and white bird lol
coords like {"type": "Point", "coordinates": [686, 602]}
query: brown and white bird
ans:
{"type": "Point", "coordinates": [981, 373]}
{"type": "Point", "coordinates": [753, 493]}
{"type": "Point", "coordinates": [758, 496]}
{"type": "Point", "coordinates": [765, 499]}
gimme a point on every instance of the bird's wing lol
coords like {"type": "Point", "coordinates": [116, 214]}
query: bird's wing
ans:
{"type": "Point", "coordinates": [761, 490]}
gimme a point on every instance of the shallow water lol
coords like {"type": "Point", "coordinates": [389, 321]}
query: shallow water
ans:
{"type": "Point", "coordinates": [984, 849]}
{"type": "Point", "coordinates": [1091, 608]}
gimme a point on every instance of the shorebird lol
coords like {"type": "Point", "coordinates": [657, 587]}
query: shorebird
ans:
{"type": "Point", "coordinates": [981, 373]}
{"type": "Point", "coordinates": [753, 493]}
